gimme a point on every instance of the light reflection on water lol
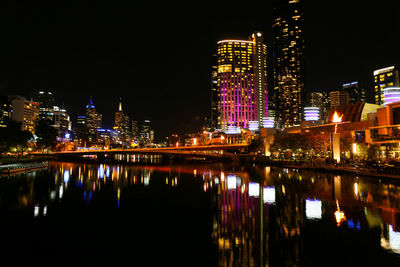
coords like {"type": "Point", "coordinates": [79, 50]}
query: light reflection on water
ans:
{"type": "Point", "coordinates": [261, 215]}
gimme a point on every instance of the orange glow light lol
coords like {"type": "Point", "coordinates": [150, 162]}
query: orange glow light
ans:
{"type": "Point", "coordinates": [336, 117]}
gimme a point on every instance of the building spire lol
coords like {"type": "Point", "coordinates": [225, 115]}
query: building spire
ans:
{"type": "Point", "coordinates": [91, 101]}
{"type": "Point", "coordinates": [120, 104]}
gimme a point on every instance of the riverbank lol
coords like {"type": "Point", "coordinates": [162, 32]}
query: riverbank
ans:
{"type": "Point", "coordinates": [379, 171]}
{"type": "Point", "coordinates": [5, 160]}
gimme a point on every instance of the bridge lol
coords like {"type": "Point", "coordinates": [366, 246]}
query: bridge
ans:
{"type": "Point", "coordinates": [207, 152]}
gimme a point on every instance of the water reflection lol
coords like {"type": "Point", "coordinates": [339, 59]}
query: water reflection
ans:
{"type": "Point", "coordinates": [260, 216]}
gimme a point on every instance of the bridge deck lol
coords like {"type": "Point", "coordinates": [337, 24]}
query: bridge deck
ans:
{"type": "Point", "coordinates": [184, 151]}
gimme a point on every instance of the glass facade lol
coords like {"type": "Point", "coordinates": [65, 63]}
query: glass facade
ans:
{"type": "Point", "coordinates": [288, 59]}
{"type": "Point", "coordinates": [241, 82]}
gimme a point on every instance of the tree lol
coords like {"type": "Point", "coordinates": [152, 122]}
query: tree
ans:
{"type": "Point", "coordinates": [46, 133]}
{"type": "Point", "coordinates": [13, 137]}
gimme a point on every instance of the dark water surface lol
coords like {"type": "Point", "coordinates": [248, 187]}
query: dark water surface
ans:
{"type": "Point", "coordinates": [197, 215]}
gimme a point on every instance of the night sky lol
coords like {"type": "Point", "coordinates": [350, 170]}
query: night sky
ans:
{"type": "Point", "coordinates": [158, 57]}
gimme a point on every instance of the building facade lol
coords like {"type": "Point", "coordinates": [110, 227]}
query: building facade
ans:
{"type": "Point", "coordinates": [338, 99]}
{"type": "Point", "coordinates": [356, 92]}
{"type": "Point", "coordinates": [386, 77]}
{"type": "Point", "coordinates": [93, 119]}
{"type": "Point", "coordinates": [288, 61]}
{"type": "Point", "coordinates": [26, 112]}
{"type": "Point", "coordinates": [241, 82]}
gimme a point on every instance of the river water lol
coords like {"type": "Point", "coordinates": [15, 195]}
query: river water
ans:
{"type": "Point", "coordinates": [150, 213]}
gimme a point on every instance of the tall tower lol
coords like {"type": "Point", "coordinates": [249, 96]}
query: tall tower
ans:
{"type": "Point", "coordinates": [288, 59]}
{"type": "Point", "coordinates": [93, 119]}
{"type": "Point", "coordinates": [241, 82]}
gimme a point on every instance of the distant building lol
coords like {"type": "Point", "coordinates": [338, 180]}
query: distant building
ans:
{"type": "Point", "coordinates": [321, 101]}
{"type": "Point", "coordinates": [5, 110]}
{"type": "Point", "coordinates": [26, 112]}
{"type": "Point", "coordinates": [61, 120]}
{"type": "Point", "coordinates": [46, 102]}
{"type": "Point", "coordinates": [215, 95]}
{"type": "Point", "coordinates": [146, 133]}
{"type": "Point", "coordinates": [289, 63]}
{"type": "Point", "coordinates": [93, 119]}
{"type": "Point", "coordinates": [356, 92]}
{"type": "Point", "coordinates": [121, 124]}
{"type": "Point", "coordinates": [339, 99]}
{"type": "Point", "coordinates": [386, 77]}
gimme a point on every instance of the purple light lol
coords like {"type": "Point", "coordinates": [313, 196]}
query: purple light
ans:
{"type": "Point", "coordinates": [391, 95]}
{"type": "Point", "coordinates": [311, 113]}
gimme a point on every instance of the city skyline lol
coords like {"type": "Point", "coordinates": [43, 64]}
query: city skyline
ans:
{"type": "Point", "coordinates": [90, 56]}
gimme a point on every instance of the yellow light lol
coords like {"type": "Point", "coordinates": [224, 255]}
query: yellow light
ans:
{"type": "Point", "coordinates": [339, 215]}
{"type": "Point", "coordinates": [194, 141]}
{"type": "Point", "coordinates": [336, 117]}
{"type": "Point", "coordinates": [354, 148]}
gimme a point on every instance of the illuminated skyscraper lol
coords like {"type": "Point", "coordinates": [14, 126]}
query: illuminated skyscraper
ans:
{"type": "Point", "coordinates": [121, 123]}
{"type": "Point", "coordinates": [26, 112]}
{"type": "Point", "coordinates": [241, 82]}
{"type": "Point", "coordinates": [215, 108]}
{"type": "Point", "coordinates": [288, 59]}
{"type": "Point", "coordinates": [386, 77]}
{"type": "Point", "coordinates": [93, 119]}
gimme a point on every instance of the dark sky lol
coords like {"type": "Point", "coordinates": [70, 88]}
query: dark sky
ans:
{"type": "Point", "coordinates": [158, 57]}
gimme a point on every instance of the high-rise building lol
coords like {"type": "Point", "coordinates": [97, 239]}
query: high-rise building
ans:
{"type": "Point", "coordinates": [339, 99]}
{"type": "Point", "coordinates": [93, 119]}
{"type": "Point", "coordinates": [26, 112]}
{"type": "Point", "coordinates": [288, 62]}
{"type": "Point", "coordinates": [386, 77]}
{"type": "Point", "coordinates": [5, 110]}
{"type": "Point", "coordinates": [61, 120]}
{"type": "Point", "coordinates": [356, 92]}
{"type": "Point", "coordinates": [146, 133]}
{"type": "Point", "coordinates": [215, 95]}
{"type": "Point", "coordinates": [241, 82]}
{"type": "Point", "coordinates": [46, 102]}
{"type": "Point", "coordinates": [121, 124]}
{"type": "Point", "coordinates": [321, 101]}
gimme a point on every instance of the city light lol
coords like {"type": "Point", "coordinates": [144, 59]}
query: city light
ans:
{"type": "Point", "coordinates": [391, 95]}
{"type": "Point", "coordinates": [311, 113]}
{"type": "Point", "coordinates": [313, 209]}
{"type": "Point", "coordinates": [336, 117]}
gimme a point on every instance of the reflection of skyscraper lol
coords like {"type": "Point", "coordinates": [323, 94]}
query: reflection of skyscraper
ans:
{"type": "Point", "coordinates": [288, 58]}
{"type": "Point", "coordinates": [241, 81]}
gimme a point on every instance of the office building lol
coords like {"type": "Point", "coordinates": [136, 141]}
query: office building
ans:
{"type": "Point", "coordinates": [46, 102]}
{"type": "Point", "coordinates": [288, 62]}
{"type": "Point", "coordinates": [93, 119]}
{"type": "Point", "coordinates": [241, 82]}
{"type": "Point", "coordinates": [386, 77]}
{"type": "Point", "coordinates": [321, 101]}
{"type": "Point", "coordinates": [26, 112]}
{"type": "Point", "coordinates": [215, 95]}
{"type": "Point", "coordinates": [5, 110]}
{"type": "Point", "coordinates": [356, 92]}
{"type": "Point", "coordinates": [339, 99]}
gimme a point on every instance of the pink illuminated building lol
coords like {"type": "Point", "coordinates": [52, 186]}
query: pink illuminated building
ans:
{"type": "Point", "coordinates": [242, 84]}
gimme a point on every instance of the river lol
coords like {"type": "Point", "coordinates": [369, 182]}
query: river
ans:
{"type": "Point", "coordinates": [154, 213]}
